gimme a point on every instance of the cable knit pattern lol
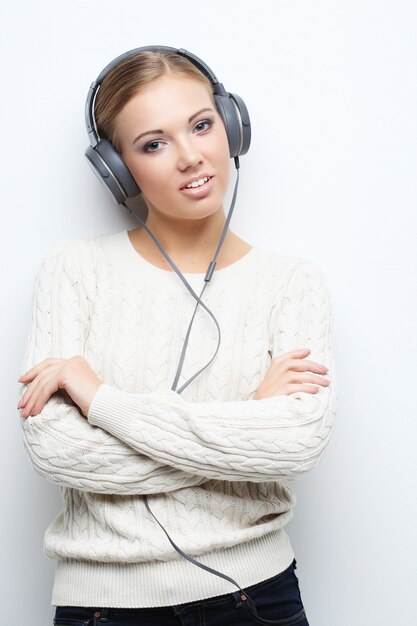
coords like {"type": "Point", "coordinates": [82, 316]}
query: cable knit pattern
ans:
{"type": "Point", "coordinates": [212, 460]}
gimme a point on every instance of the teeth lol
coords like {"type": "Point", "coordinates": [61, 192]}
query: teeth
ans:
{"type": "Point", "coordinates": [197, 183]}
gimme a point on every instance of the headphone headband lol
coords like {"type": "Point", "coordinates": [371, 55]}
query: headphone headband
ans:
{"type": "Point", "coordinates": [203, 66]}
{"type": "Point", "coordinates": [90, 120]}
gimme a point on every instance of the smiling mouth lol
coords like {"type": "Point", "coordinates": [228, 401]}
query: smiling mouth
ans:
{"type": "Point", "coordinates": [196, 185]}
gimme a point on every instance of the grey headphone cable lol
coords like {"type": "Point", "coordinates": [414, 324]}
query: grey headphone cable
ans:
{"type": "Point", "coordinates": [243, 595]}
{"type": "Point", "coordinates": [207, 279]}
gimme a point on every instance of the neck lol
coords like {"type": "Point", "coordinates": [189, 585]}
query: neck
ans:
{"type": "Point", "coordinates": [186, 240]}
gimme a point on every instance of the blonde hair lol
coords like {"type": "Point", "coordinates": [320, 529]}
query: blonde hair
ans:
{"type": "Point", "coordinates": [126, 80]}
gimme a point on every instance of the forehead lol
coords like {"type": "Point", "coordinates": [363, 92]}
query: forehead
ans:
{"type": "Point", "coordinates": [167, 98]}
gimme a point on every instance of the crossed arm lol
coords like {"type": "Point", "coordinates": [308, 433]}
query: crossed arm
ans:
{"type": "Point", "coordinates": [153, 442]}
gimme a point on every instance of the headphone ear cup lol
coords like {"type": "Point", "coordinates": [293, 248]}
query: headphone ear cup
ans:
{"type": "Point", "coordinates": [109, 166]}
{"type": "Point", "coordinates": [231, 123]}
{"type": "Point", "coordinates": [235, 117]}
{"type": "Point", "coordinates": [243, 115]}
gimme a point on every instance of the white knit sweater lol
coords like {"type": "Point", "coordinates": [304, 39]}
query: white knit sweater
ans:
{"type": "Point", "coordinates": [213, 461]}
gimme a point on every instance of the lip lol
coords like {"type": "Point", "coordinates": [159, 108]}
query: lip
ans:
{"type": "Point", "coordinates": [198, 192]}
{"type": "Point", "coordinates": [194, 178]}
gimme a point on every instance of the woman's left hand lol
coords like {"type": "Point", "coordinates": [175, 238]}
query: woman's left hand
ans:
{"type": "Point", "coordinates": [74, 375]}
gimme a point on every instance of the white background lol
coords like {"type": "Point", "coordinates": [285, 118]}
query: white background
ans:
{"type": "Point", "coordinates": [331, 175]}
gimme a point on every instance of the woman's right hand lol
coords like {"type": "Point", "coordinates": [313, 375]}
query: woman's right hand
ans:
{"type": "Point", "coordinates": [291, 372]}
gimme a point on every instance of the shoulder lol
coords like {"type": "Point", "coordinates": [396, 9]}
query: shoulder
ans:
{"type": "Point", "coordinates": [284, 269]}
{"type": "Point", "coordinates": [87, 252]}
{"type": "Point", "coordinates": [70, 252]}
{"type": "Point", "coordinates": [73, 260]}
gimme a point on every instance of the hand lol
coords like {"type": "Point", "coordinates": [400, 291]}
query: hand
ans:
{"type": "Point", "coordinates": [74, 375]}
{"type": "Point", "coordinates": [286, 375]}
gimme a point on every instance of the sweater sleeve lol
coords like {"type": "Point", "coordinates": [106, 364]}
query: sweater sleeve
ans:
{"type": "Point", "coordinates": [274, 438]}
{"type": "Point", "coordinates": [63, 446]}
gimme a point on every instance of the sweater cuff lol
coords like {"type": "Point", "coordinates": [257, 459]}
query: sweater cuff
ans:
{"type": "Point", "coordinates": [113, 409]}
{"type": "Point", "coordinates": [102, 404]}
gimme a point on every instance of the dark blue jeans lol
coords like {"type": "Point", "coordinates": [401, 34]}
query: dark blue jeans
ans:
{"type": "Point", "coordinates": [277, 598]}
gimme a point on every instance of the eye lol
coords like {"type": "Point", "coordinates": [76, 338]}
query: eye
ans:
{"type": "Point", "coordinates": [208, 122]}
{"type": "Point", "coordinates": [201, 126]}
{"type": "Point", "coordinates": [150, 147]}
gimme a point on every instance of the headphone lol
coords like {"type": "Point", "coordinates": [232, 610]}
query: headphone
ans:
{"type": "Point", "coordinates": [107, 162]}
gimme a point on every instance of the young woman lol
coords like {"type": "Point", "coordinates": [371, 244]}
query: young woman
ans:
{"type": "Point", "coordinates": [174, 501]}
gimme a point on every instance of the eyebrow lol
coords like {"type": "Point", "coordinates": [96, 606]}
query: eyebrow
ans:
{"type": "Point", "coordinates": [153, 132]}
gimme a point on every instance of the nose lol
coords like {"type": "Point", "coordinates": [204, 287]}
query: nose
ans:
{"type": "Point", "coordinates": [188, 154]}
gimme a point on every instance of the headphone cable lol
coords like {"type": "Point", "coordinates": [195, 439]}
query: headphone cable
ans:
{"type": "Point", "coordinates": [244, 596]}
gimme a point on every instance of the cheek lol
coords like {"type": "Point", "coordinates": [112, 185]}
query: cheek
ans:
{"type": "Point", "coordinates": [144, 176]}
{"type": "Point", "coordinates": [223, 151]}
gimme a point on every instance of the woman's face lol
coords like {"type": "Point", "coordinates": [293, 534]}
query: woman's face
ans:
{"type": "Point", "coordinates": [166, 139]}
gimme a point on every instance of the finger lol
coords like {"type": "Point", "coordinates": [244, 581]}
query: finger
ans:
{"type": "Point", "coordinates": [28, 399]}
{"type": "Point", "coordinates": [302, 388]}
{"type": "Point", "coordinates": [305, 364]}
{"type": "Point", "coordinates": [34, 371]}
{"type": "Point", "coordinates": [27, 376]}
{"type": "Point", "coordinates": [42, 388]}
{"type": "Point", "coordinates": [294, 354]}
{"type": "Point", "coordinates": [29, 408]}
{"type": "Point", "coordinates": [300, 353]}
{"type": "Point", "coordinates": [310, 378]}
{"type": "Point", "coordinates": [41, 394]}
{"type": "Point", "coordinates": [28, 395]}
{"type": "Point", "coordinates": [318, 366]}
